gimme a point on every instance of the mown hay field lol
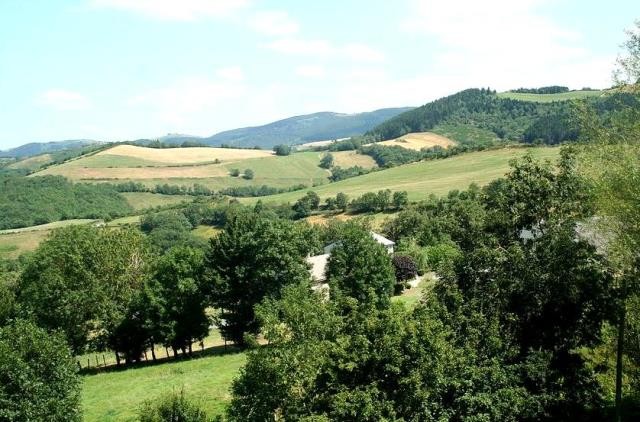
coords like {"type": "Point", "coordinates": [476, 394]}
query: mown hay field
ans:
{"type": "Point", "coordinates": [184, 155]}
{"type": "Point", "coordinates": [419, 140]}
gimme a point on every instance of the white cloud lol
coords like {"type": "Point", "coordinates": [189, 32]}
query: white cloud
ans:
{"type": "Point", "coordinates": [178, 10]}
{"type": "Point", "coordinates": [504, 43]}
{"type": "Point", "coordinates": [177, 103]}
{"type": "Point", "coordinates": [274, 23]}
{"type": "Point", "coordinates": [60, 99]}
{"type": "Point", "coordinates": [311, 71]}
{"type": "Point", "coordinates": [231, 73]}
{"type": "Point", "coordinates": [325, 49]}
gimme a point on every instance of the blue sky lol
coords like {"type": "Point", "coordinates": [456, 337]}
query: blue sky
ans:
{"type": "Point", "coordinates": [125, 69]}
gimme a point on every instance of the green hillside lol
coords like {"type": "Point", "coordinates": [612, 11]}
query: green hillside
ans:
{"type": "Point", "coordinates": [424, 178]}
{"type": "Point", "coordinates": [512, 116]}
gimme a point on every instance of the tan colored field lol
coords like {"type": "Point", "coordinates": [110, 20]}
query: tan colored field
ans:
{"type": "Point", "coordinates": [31, 163]}
{"type": "Point", "coordinates": [420, 140]}
{"type": "Point", "coordinates": [346, 159]}
{"type": "Point", "coordinates": [135, 173]}
{"type": "Point", "coordinates": [185, 155]}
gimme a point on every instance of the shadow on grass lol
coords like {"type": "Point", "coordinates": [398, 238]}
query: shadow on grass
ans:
{"type": "Point", "coordinates": [197, 354]}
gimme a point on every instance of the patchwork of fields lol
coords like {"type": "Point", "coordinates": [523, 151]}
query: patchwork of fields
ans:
{"type": "Point", "coordinates": [419, 140]}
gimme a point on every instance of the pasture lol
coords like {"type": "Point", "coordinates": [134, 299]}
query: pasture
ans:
{"type": "Point", "coordinates": [145, 200]}
{"type": "Point", "coordinates": [420, 140]}
{"type": "Point", "coordinates": [31, 163]}
{"type": "Point", "coordinates": [15, 242]}
{"type": "Point", "coordinates": [117, 395]}
{"type": "Point", "coordinates": [424, 178]}
{"type": "Point", "coordinates": [548, 98]}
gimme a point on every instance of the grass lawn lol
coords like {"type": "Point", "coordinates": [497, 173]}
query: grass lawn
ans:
{"type": "Point", "coordinates": [547, 98]}
{"type": "Point", "coordinates": [117, 395]}
{"type": "Point", "coordinates": [144, 200]}
{"type": "Point", "coordinates": [424, 178]}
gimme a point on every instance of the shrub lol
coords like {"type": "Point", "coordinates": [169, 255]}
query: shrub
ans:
{"type": "Point", "coordinates": [174, 407]}
{"type": "Point", "coordinates": [234, 172]}
{"type": "Point", "coordinates": [248, 174]}
{"type": "Point", "coordinates": [406, 269]}
{"type": "Point", "coordinates": [282, 149]}
{"type": "Point", "coordinates": [327, 161]}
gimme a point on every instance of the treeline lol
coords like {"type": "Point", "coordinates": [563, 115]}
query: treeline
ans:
{"type": "Point", "coordinates": [508, 119]}
{"type": "Point", "coordinates": [554, 89]}
{"type": "Point", "coordinates": [28, 201]}
{"type": "Point", "coordinates": [200, 190]}
{"type": "Point", "coordinates": [382, 201]}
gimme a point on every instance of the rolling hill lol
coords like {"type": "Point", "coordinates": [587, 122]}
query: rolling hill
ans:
{"type": "Point", "coordinates": [37, 148]}
{"type": "Point", "coordinates": [306, 128]}
{"type": "Point", "coordinates": [512, 116]}
{"type": "Point", "coordinates": [424, 178]}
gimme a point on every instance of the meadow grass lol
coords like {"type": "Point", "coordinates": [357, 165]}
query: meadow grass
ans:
{"type": "Point", "coordinates": [424, 178]}
{"type": "Point", "coordinates": [117, 395]}
{"type": "Point", "coordinates": [464, 133]}
{"type": "Point", "coordinates": [419, 140]}
{"type": "Point", "coordinates": [548, 98]}
{"type": "Point", "coordinates": [144, 200]}
{"type": "Point", "coordinates": [32, 163]}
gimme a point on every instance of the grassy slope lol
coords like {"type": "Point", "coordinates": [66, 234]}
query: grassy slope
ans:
{"type": "Point", "coordinates": [427, 177]}
{"type": "Point", "coordinates": [547, 98]}
{"type": "Point", "coordinates": [117, 395]}
{"type": "Point", "coordinates": [32, 163]}
{"type": "Point", "coordinates": [143, 200]}
{"type": "Point", "coordinates": [15, 242]}
{"type": "Point", "coordinates": [464, 133]}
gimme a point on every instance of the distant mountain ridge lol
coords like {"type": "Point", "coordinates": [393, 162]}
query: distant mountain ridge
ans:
{"type": "Point", "coordinates": [37, 148]}
{"type": "Point", "coordinates": [305, 128]}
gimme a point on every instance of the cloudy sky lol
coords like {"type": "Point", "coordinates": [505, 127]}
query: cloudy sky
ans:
{"type": "Point", "coordinates": [124, 69]}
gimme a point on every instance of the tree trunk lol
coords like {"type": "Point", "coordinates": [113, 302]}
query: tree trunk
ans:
{"type": "Point", "coordinates": [153, 352]}
{"type": "Point", "coordinates": [619, 354]}
{"type": "Point", "coordinates": [117, 358]}
{"type": "Point", "coordinates": [190, 349]}
{"type": "Point", "coordinates": [175, 352]}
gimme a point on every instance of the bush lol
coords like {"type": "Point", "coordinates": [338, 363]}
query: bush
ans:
{"type": "Point", "coordinates": [327, 161]}
{"type": "Point", "coordinates": [248, 174]}
{"type": "Point", "coordinates": [406, 269]}
{"type": "Point", "coordinates": [234, 172]}
{"type": "Point", "coordinates": [282, 149]}
{"type": "Point", "coordinates": [38, 376]}
{"type": "Point", "coordinates": [441, 257]}
{"type": "Point", "coordinates": [172, 408]}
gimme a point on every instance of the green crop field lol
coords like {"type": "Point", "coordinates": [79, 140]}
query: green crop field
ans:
{"type": "Point", "coordinates": [117, 395]}
{"type": "Point", "coordinates": [144, 200]}
{"type": "Point", "coordinates": [547, 98]}
{"type": "Point", "coordinates": [426, 177]}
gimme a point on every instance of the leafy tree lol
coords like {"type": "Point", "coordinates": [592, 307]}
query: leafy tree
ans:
{"type": "Point", "coordinates": [405, 269]}
{"type": "Point", "coordinates": [252, 259]}
{"type": "Point", "coordinates": [384, 199]}
{"type": "Point", "coordinates": [342, 201]}
{"type": "Point", "coordinates": [327, 161]}
{"type": "Point", "coordinates": [170, 228]}
{"type": "Point", "coordinates": [234, 172]}
{"type": "Point", "coordinates": [360, 268]}
{"type": "Point", "coordinates": [306, 204]}
{"type": "Point", "coordinates": [400, 199]}
{"type": "Point", "coordinates": [173, 407]}
{"type": "Point", "coordinates": [81, 280]}
{"type": "Point", "coordinates": [282, 149]}
{"type": "Point", "coordinates": [628, 64]}
{"type": "Point", "coordinates": [178, 287]}
{"type": "Point", "coordinates": [248, 174]}
{"type": "Point", "coordinates": [38, 376]}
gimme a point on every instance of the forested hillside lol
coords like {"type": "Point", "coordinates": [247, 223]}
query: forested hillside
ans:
{"type": "Point", "coordinates": [509, 119]}
{"type": "Point", "coordinates": [28, 201]}
{"type": "Point", "coordinates": [36, 148]}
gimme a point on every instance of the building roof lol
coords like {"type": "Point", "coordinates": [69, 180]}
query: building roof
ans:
{"type": "Point", "coordinates": [318, 265]}
{"type": "Point", "coordinates": [381, 239]}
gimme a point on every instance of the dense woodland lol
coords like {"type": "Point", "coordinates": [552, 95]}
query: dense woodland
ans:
{"type": "Point", "coordinates": [509, 119]}
{"type": "Point", "coordinates": [28, 201]}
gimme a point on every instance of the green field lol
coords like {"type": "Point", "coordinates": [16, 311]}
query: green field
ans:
{"type": "Point", "coordinates": [144, 200]}
{"type": "Point", "coordinates": [117, 395]}
{"type": "Point", "coordinates": [426, 177]}
{"type": "Point", "coordinates": [32, 163]}
{"type": "Point", "coordinates": [548, 98]}
{"type": "Point", "coordinates": [15, 242]}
